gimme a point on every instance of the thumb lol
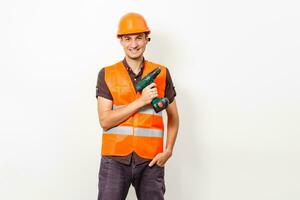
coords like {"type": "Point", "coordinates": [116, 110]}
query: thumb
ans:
{"type": "Point", "coordinates": [154, 160]}
{"type": "Point", "coordinates": [151, 85]}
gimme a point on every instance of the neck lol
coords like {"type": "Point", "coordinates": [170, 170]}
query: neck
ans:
{"type": "Point", "coordinates": [135, 64]}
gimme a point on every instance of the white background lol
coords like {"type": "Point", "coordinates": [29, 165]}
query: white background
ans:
{"type": "Point", "coordinates": [235, 66]}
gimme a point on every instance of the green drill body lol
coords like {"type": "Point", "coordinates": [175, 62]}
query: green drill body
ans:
{"type": "Point", "coordinates": [158, 104]}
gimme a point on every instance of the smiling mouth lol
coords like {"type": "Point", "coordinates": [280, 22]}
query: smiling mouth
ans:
{"type": "Point", "coordinates": [134, 50]}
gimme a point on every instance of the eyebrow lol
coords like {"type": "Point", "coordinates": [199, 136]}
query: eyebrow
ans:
{"type": "Point", "coordinates": [128, 36]}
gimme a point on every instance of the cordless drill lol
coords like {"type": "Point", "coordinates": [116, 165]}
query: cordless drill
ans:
{"type": "Point", "coordinates": [158, 104]}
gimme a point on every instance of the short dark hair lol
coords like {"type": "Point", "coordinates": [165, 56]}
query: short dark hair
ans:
{"type": "Point", "coordinates": [146, 34]}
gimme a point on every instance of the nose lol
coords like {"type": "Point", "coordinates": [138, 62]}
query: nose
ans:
{"type": "Point", "coordinates": [133, 44]}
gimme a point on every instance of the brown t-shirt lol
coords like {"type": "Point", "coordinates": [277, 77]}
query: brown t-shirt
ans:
{"type": "Point", "coordinates": [103, 91]}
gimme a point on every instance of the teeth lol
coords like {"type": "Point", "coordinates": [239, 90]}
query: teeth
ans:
{"type": "Point", "coordinates": [134, 50]}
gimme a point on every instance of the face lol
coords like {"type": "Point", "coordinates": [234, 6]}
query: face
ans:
{"type": "Point", "coordinates": [134, 45]}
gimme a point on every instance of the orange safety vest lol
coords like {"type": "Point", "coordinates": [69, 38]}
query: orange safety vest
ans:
{"type": "Point", "coordinates": [143, 131]}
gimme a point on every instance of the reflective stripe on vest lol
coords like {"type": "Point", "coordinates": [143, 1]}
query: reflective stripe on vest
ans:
{"type": "Point", "coordinates": [147, 132]}
{"type": "Point", "coordinates": [128, 130]}
{"type": "Point", "coordinates": [145, 110]}
{"type": "Point", "coordinates": [122, 130]}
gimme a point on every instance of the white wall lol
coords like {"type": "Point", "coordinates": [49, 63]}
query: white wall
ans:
{"type": "Point", "coordinates": [235, 65]}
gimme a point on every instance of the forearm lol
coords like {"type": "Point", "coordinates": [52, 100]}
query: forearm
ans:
{"type": "Point", "coordinates": [173, 125]}
{"type": "Point", "coordinates": [111, 118]}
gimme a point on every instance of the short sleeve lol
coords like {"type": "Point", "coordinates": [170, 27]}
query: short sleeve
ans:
{"type": "Point", "coordinates": [170, 92]}
{"type": "Point", "coordinates": [101, 87]}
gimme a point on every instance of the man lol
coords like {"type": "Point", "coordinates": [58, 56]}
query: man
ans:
{"type": "Point", "coordinates": [132, 139]}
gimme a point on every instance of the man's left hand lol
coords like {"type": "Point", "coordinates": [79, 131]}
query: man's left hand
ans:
{"type": "Point", "coordinates": [161, 158]}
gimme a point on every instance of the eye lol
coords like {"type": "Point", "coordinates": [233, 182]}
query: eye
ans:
{"type": "Point", "coordinates": [127, 39]}
{"type": "Point", "coordinates": [139, 38]}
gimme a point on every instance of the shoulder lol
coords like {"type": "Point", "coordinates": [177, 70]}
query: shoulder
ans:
{"type": "Point", "coordinates": [101, 73]}
{"type": "Point", "coordinates": [108, 68]}
{"type": "Point", "coordinates": [167, 72]}
{"type": "Point", "coordinates": [113, 66]}
{"type": "Point", "coordinates": [154, 64]}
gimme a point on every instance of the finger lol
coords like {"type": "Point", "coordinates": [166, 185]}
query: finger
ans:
{"type": "Point", "coordinates": [160, 163]}
{"type": "Point", "coordinates": [151, 85]}
{"type": "Point", "coordinates": [153, 96]}
{"type": "Point", "coordinates": [154, 89]}
{"type": "Point", "coordinates": [152, 162]}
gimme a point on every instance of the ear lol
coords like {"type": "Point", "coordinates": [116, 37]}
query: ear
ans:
{"type": "Point", "coordinates": [120, 40]}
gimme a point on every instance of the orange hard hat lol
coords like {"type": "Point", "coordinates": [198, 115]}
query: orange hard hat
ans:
{"type": "Point", "coordinates": [132, 23]}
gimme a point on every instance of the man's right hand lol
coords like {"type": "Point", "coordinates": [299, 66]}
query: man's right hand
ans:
{"type": "Point", "coordinates": [148, 93]}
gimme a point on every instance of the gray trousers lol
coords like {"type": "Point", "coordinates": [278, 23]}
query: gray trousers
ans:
{"type": "Point", "coordinates": [115, 179]}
